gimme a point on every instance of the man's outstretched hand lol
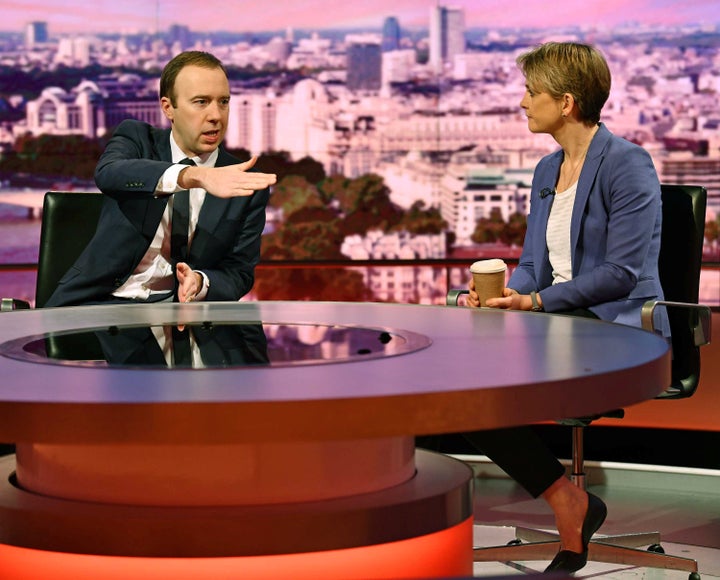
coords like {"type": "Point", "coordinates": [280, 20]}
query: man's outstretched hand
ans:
{"type": "Point", "coordinates": [226, 181]}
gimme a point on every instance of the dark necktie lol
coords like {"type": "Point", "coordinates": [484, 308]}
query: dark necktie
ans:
{"type": "Point", "coordinates": [182, 355]}
{"type": "Point", "coordinates": [180, 222]}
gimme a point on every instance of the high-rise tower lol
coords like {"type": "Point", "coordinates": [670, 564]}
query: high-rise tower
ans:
{"type": "Point", "coordinates": [447, 34]}
{"type": "Point", "coordinates": [364, 63]}
{"type": "Point", "coordinates": [391, 34]}
{"type": "Point", "coordinates": [35, 33]}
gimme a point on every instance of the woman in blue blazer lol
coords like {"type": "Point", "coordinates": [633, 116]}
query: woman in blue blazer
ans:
{"type": "Point", "coordinates": [613, 234]}
{"type": "Point", "coordinates": [591, 249]}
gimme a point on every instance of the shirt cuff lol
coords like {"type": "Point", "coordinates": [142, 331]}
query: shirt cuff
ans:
{"type": "Point", "coordinates": [205, 287]}
{"type": "Point", "coordinates": [168, 182]}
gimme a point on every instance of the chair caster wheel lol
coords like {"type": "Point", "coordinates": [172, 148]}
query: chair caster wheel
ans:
{"type": "Point", "coordinates": [694, 576]}
{"type": "Point", "coordinates": [657, 548]}
{"type": "Point", "coordinates": [515, 542]}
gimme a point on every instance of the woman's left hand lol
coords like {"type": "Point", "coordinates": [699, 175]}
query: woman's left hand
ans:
{"type": "Point", "coordinates": [511, 300]}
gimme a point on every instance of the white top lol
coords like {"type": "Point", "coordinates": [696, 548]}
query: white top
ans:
{"type": "Point", "coordinates": [558, 234]}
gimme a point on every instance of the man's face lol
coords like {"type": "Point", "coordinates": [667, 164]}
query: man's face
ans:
{"type": "Point", "coordinates": [200, 115]}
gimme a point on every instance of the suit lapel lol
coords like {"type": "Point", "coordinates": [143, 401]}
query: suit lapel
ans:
{"type": "Point", "coordinates": [593, 160]}
{"type": "Point", "coordinates": [156, 206]}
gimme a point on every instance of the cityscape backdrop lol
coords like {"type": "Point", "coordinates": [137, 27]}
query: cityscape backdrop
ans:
{"type": "Point", "coordinates": [76, 16]}
{"type": "Point", "coordinates": [396, 130]}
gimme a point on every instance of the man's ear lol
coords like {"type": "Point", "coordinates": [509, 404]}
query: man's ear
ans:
{"type": "Point", "coordinates": [167, 108]}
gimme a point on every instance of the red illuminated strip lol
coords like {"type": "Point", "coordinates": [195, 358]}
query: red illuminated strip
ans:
{"type": "Point", "coordinates": [443, 554]}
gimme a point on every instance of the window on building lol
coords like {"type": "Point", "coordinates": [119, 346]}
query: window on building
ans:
{"type": "Point", "coordinates": [47, 114]}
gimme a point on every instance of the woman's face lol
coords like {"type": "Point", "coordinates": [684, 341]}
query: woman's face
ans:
{"type": "Point", "coordinates": [543, 111]}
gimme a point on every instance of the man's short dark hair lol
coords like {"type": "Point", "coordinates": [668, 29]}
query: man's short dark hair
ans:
{"type": "Point", "coordinates": [187, 58]}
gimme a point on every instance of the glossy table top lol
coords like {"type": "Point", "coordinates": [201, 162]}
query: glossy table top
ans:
{"type": "Point", "coordinates": [467, 369]}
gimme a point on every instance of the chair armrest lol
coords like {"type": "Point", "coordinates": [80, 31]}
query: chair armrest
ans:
{"type": "Point", "coordinates": [9, 304]}
{"type": "Point", "coordinates": [701, 331]}
{"type": "Point", "coordinates": [453, 295]}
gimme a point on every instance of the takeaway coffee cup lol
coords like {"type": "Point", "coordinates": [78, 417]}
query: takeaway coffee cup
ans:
{"type": "Point", "coordinates": [489, 277]}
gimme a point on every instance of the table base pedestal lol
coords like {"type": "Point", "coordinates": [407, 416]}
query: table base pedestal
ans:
{"type": "Point", "coordinates": [420, 528]}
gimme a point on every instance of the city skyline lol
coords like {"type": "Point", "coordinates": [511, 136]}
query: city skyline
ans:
{"type": "Point", "coordinates": [445, 150]}
{"type": "Point", "coordinates": [73, 16]}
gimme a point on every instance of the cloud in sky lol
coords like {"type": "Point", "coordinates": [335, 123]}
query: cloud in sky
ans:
{"type": "Point", "coordinates": [244, 15]}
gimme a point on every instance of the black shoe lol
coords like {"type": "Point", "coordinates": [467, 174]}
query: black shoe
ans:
{"type": "Point", "coordinates": [569, 562]}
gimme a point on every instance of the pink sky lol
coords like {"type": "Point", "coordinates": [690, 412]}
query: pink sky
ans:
{"type": "Point", "coordinates": [243, 15]}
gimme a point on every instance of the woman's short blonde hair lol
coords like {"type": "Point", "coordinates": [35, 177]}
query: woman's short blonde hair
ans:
{"type": "Point", "coordinates": [557, 68]}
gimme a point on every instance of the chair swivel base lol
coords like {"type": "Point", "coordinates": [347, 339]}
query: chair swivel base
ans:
{"type": "Point", "coordinates": [619, 549]}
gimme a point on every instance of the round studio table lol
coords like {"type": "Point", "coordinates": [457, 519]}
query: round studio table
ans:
{"type": "Point", "coordinates": [299, 462]}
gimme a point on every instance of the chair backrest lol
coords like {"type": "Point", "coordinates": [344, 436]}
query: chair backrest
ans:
{"type": "Point", "coordinates": [683, 232]}
{"type": "Point", "coordinates": [68, 223]}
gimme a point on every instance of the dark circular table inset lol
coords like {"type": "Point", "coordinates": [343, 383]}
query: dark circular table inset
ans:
{"type": "Point", "coordinates": [215, 345]}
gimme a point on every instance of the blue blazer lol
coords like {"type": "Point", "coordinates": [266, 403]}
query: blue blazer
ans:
{"type": "Point", "coordinates": [614, 234]}
{"type": "Point", "coordinates": [226, 243]}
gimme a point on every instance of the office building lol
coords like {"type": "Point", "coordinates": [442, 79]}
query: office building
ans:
{"type": "Point", "coordinates": [180, 36]}
{"type": "Point", "coordinates": [397, 66]}
{"type": "Point", "coordinates": [447, 35]}
{"type": "Point", "coordinates": [364, 64]}
{"type": "Point", "coordinates": [469, 193]}
{"type": "Point", "coordinates": [36, 33]}
{"type": "Point", "coordinates": [74, 51]}
{"type": "Point", "coordinates": [252, 124]}
{"type": "Point", "coordinates": [391, 34]}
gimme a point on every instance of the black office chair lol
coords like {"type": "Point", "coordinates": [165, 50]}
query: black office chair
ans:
{"type": "Point", "coordinates": [69, 220]}
{"type": "Point", "coordinates": [679, 267]}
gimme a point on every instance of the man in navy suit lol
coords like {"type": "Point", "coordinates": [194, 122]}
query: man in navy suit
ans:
{"type": "Point", "coordinates": [145, 174]}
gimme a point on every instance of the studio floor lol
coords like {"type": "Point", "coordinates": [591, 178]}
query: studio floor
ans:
{"type": "Point", "coordinates": [683, 504]}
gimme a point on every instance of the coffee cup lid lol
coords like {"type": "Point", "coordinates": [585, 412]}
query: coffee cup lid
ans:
{"type": "Point", "coordinates": [488, 266]}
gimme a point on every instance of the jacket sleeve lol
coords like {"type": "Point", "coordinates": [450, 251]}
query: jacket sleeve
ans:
{"type": "Point", "coordinates": [129, 166]}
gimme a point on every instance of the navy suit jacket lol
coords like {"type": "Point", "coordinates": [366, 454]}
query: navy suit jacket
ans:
{"type": "Point", "coordinates": [614, 234]}
{"type": "Point", "coordinates": [226, 243]}
{"type": "Point", "coordinates": [220, 345]}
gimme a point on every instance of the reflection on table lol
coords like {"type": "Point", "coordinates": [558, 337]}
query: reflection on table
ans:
{"type": "Point", "coordinates": [213, 345]}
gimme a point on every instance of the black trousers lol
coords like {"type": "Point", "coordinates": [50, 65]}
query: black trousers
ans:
{"type": "Point", "coordinates": [519, 451]}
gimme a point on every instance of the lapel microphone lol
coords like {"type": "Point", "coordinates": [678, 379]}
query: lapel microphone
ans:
{"type": "Point", "coordinates": [545, 191]}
